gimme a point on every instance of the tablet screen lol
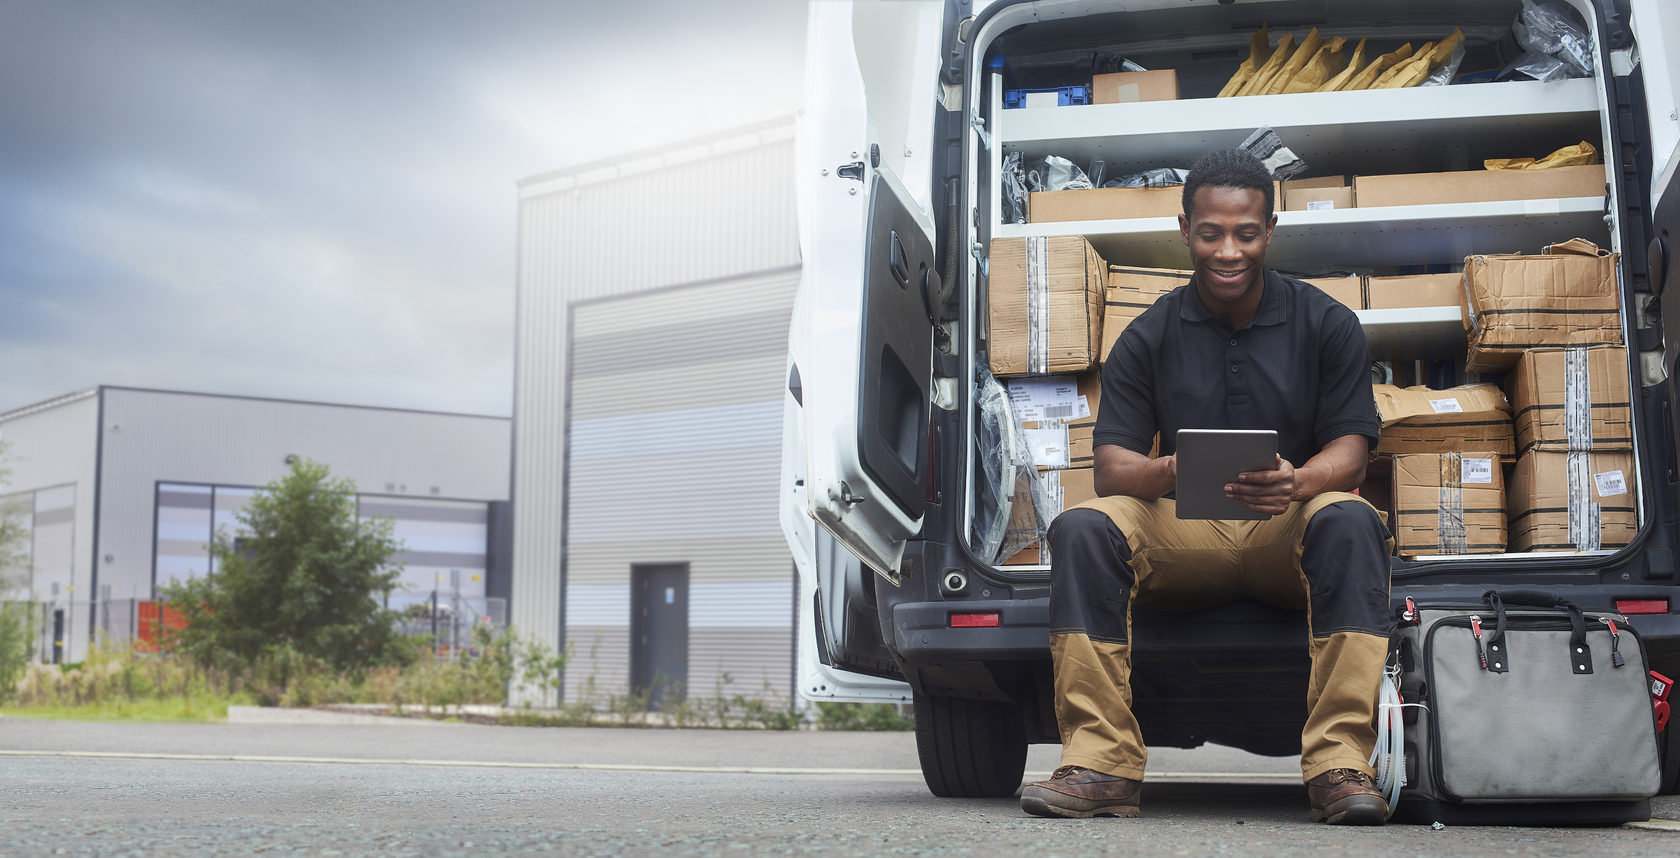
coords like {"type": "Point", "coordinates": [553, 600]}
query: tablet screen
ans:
{"type": "Point", "coordinates": [1208, 459]}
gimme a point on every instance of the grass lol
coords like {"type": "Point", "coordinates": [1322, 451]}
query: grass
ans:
{"type": "Point", "coordinates": [194, 708]}
{"type": "Point", "coordinates": [121, 684]}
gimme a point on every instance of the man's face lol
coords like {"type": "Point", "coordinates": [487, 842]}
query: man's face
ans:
{"type": "Point", "coordinates": [1227, 233]}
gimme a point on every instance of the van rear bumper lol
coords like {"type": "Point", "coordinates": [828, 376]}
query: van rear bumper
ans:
{"type": "Point", "coordinates": [923, 635]}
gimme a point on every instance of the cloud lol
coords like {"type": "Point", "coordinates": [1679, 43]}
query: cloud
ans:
{"type": "Point", "coordinates": [316, 200]}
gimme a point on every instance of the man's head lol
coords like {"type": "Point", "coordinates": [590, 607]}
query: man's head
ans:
{"type": "Point", "coordinates": [1227, 224]}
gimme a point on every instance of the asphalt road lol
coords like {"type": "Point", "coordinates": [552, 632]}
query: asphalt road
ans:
{"type": "Point", "coordinates": [321, 789]}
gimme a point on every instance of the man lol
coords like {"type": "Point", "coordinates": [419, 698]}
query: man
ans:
{"type": "Point", "coordinates": [1239, 347]}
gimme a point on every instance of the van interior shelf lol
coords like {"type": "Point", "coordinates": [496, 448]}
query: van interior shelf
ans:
{"type": "Point", "coordinates": [1368, 132]}
{"type": "Point", "coordinates": [1440, 234]}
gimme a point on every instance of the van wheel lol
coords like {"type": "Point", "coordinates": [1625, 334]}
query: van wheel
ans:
{"type": "Point", "coordinates": [970, 748]}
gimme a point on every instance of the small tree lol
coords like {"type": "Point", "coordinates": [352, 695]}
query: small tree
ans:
{"type": "Point", "coordinates": [17, 636]}
{"type": "Point", "coordinates": [305, 578]}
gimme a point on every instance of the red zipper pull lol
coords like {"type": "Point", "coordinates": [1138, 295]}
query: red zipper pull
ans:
{"type": "Point", "coordinates": [1616, 659]}
{"type": "Point", "coordinates": [1411, 615]}
{"type": "Point", "coordinates": [1476, 631]}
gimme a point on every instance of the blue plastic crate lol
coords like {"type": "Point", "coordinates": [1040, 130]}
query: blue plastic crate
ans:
{"type": "Point", "coordinates": [1065, 95]}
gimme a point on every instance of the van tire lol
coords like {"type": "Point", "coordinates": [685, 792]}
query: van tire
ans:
{"type": "Point", "coordinates": [970, 748]}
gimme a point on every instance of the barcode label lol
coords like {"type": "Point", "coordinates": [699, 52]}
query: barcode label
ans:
{"type": "Point", "coordinates": [1321, 205]}
{"type": "Point", "coordinates": [1610, 483]}
{"type": "Point", "coordinates": [1473, 471]}
{"type": "Point", "coordinates": [1446, 406]}
{"type": "Point", "coordinates": [1058, 412]}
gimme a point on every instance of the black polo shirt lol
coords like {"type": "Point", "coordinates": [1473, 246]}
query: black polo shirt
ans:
{"type": "Point", "coordinates": [1300, 366]}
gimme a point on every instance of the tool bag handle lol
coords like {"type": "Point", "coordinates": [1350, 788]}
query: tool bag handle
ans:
{"type": "Point", "coordinates": [1580, 654]}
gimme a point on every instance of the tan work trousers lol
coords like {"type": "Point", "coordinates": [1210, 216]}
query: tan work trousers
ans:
{"type": "Point", "coordinates": [1187, 564]}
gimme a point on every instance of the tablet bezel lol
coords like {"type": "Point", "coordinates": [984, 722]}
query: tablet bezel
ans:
{"type": "Point", "coordinates": [1208, 459]}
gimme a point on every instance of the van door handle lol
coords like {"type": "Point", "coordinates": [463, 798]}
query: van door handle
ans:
{"type": "Point", "coordinates": [900, 266]}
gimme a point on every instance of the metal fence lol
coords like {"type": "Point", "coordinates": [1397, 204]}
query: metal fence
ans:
{"type": "Point", "coordinates": [448, 620]}
{"type": "Point", "coordinates": [63, 628]}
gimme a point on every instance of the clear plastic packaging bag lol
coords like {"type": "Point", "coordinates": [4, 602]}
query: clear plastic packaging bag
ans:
{"type": "Point", "coordinates": [1009, 508]}
{"type": "Point", "coordinates": [1550, 27]}
{"type": "Point", "coordinates": [1014, 190]}
{"type": "Point", "coordinates": [1268, 147]}
{"type": "Point", "coordinates": [1448, 70]}
{"type": "Point", "coordinates": [1160, 177]}
{"type": "Point", "coordinates": [1054, 173]}
{"type": "Point", "coordinates": [1541, 67]}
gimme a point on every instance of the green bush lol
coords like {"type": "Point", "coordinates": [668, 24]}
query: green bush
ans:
{"type": "Point", "coordinates": [865, 716]}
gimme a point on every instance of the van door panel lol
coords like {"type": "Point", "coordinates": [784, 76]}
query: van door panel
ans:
{"type": "Point", "coordinates": [861, 338]}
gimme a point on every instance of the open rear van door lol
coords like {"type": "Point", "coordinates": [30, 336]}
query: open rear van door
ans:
{"type": "Point", "coordinates": [862, 341]}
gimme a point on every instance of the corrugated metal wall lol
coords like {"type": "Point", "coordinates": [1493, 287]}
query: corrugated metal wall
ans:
{"type": "Point", "coordinates": [709, 210]}
{"type": "Point", "coordinates": [51, 459]}
{"type": "Point", "coordinates": [680, 466]}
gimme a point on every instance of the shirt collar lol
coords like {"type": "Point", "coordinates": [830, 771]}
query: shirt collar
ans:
{"type": "Point", "coordinates": [1270, 311]}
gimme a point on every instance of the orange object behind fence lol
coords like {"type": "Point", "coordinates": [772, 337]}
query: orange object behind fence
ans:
{"type": "Point", "coordinates": [157, 620]}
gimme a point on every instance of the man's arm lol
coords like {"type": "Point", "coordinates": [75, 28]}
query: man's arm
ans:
{"type": "Point", "coordinates": [1339, 467]}
{"type": "Point", "coordinates": [1120, 471]}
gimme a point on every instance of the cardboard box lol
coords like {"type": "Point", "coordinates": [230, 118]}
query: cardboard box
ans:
{"type": "Point", "coordinates": [1564, 296]}
{"type": "Point", "coordinates": [1414, 290]}
{"type": "Point", "coordinates": [1348, 290]}
{"type": "Point", "coordinates": [1459, 419]}
{"type": "Point", "coordinates": [1058, 413]}
{"type": "Point", "coordinates": [1545, 515]}
{"type": "Point", "coordinates": [1129, 87]}
{"type": "Point", "coordinates": [1045, 304]}
{"type": "Point", "coordinates": [1130, 292]}
{"type": "Point", "coordinates": [1063, 490]}
{"type": "Point", "coordinates": [1109, 204]}
{"type": "Point", "coordinates": [1448, 503]}
{"type": "Point", "coordinates": [1548, 385]}
{"type": "Point", "coordinates": [1330, 192]}
{"type": "Point", "coordinates": [1475, 186]}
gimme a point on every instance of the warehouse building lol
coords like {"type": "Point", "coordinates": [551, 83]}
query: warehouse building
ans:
{"type": "Point", "coordinates": [654, 295]}
{"type": "Point", "coordinates": [121, 491]}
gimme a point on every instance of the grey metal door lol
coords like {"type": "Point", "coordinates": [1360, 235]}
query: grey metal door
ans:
{"type": "Point", "coordinates": [659, 633]}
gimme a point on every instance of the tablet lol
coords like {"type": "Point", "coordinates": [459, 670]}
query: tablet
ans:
{"type": "Point", "coordinates": [1208, 459]}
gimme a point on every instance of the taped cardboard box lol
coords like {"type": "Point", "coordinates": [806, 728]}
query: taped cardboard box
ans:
{"type": "Point", "coordinates": [1063, 490]}
{"type": "Point", "coordinates": [1045, 304]}
{"type": "Point", "coordinates": [1130, 87]}
{"type": "Point", "coordinates": [1130, 292]}
{"type": "Point", "coordinates": [1058, 414]}
{"type": "Point", "coordinates": [1575, 398]}
{"type": "Point", "coordinates": [1328, 193]}
{"type": "Point", "coordinates": [1109, 203]}
{"type": "Point", "coordinates": [1348, 290]}
{"type": "Point", "coordinates": [1448, 503]}
{"type": "Point", "coordinates": [1476, 186]}
{"type": "Point", "coordinates": [1564, 296]}
{"type": "Point", "coordinates": [1424, 420]}
{"type": "Point", "coordinates": [1414, 290]}
{"type": "Point", "coordinates": [1580, 501]}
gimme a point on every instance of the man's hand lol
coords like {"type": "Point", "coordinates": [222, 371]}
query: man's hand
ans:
{"type": "Point", "coordinates": [1265, 491]}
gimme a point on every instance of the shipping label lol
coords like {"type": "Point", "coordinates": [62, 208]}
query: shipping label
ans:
{"type": "Point", "coordinates": [1049, 447]}
{"type": "Point", "coordinates": [1472, 471]}
{"type": "Point", "coordinates": [1053, 398]}
{"type": "Point", "coordinates": [1446, 406]}
{"type": "Point", "coordinates": [1610, 483]}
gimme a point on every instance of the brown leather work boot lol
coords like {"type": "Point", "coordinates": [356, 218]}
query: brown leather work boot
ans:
{"type": "Point", "coordinates": [1080, 793]}
{"type": "Point", "coordinates": [1346, 797]}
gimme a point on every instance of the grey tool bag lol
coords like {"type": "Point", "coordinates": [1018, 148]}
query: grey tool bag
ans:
{"type": "Point", "coordinates": [1525, 700]}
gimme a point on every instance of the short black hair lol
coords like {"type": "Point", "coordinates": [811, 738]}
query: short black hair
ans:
{"type": "Point", "coordinates": [1229, 168]}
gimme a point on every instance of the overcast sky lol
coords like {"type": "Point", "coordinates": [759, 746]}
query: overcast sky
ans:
{"type": "Point", "coordinates": [314, 199]}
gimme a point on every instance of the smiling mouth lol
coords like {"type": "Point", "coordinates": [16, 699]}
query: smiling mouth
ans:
{"type": "Point", "coordinates": [1229, 275]}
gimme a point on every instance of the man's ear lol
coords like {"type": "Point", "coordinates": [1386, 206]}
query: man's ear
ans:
{"type": "Point", "coordinates": [1184, 229]}
{"type": "Point", "coordinates": [1271, 225]}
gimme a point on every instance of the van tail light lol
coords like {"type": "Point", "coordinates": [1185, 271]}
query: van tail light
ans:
{"type": "Point", "coordinates": [987, 620]}
{"type": "Point", "coordinates": [1642, 606]}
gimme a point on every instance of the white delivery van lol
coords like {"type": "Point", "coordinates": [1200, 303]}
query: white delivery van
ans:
{"type": "Point", "coordinates": [902, 146]}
